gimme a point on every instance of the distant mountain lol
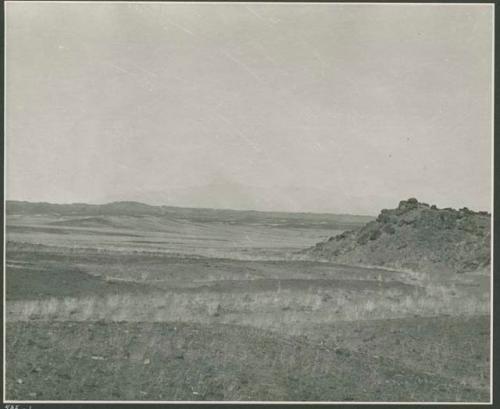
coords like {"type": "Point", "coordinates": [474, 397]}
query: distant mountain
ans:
{"type": "Point", "coordinates": [417, 237]}
{"type": "Point", "coordinates": [137, 209]}
{"type": "Point", "coordinates": [228, 195]}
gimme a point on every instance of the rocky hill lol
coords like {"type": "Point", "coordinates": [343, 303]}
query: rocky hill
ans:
{"type": "Point", "coordinates": [416, 237]}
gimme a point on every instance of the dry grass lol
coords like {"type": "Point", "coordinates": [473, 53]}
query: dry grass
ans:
{"type": "Point", "coordinates": [260, 309]}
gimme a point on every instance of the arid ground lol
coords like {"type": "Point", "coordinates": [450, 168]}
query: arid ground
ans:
{"type": "Point", "coordinates": [186, 307]}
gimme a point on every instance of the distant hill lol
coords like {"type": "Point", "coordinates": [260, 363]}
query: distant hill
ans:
{"type": "Point", "coordinates": [80, 209]}
{"type": "Point", "coordinates": [136, 209]}
{"type": "Point", "coordinates": [417, 237]}
{"type": "Point", "coordinates": [237, 196]}
{"type": "Point", "coordinates": [85, 222]}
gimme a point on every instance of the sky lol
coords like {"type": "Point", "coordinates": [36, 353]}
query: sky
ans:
{"type": "Point", "coordinates": [342, 108]}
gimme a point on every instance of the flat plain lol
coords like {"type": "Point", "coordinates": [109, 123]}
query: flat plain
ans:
{"type": "Point", "coordinates": [222, 306]}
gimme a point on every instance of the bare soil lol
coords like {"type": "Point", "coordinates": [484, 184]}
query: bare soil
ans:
{"type": "Point", "coordinates": [199, 309]}
{"type": "Point", "coordinates": [376, 361]}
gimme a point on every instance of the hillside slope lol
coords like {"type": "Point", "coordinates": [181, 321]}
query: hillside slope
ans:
{"type": "Point", "coordinates": [417, 237]}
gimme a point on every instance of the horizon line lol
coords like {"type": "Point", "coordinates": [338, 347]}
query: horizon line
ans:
{"type": "Point", "coordinates": [191, 207]}
{"type": "Point", "coordinates": [226, 208]}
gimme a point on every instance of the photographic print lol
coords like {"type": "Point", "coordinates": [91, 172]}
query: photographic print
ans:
{"type": "Point", "coordinates": [248, 202]}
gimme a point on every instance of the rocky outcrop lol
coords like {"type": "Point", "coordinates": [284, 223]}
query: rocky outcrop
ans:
{"type": "Point", "coordinates": [417, 237]}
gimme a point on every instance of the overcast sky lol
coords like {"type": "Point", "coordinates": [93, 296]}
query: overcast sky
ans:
{"type": "Point", "coordinates": [299, 107]}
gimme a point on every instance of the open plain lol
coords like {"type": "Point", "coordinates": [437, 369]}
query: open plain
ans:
{"type": "Point", "coordinates": [125, 302]}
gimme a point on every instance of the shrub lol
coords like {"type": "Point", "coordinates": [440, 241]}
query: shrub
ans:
{"type": "Point", "coordinates": [389, 229]}
{"type": "Point", "coordinates": [375, 234]}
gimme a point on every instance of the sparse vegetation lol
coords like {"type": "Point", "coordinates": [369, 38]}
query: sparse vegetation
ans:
{"type": "Point", "coordinates": [157, 307]}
